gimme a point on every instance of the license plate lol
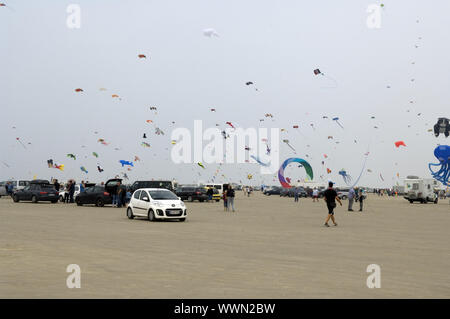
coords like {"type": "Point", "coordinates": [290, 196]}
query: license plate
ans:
{"type": "Point", "coordinates": [52, 194]}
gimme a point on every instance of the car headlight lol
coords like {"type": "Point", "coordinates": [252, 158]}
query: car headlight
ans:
{"type": "Point", "coordinates": [182, 204]}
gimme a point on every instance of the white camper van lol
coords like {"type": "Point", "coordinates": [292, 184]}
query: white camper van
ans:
{"type": "Point", "coordinates": [420, 189]}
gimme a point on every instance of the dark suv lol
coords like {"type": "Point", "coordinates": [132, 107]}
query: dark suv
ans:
{"type": "Point", "coordinates": [38, 190]}
{"type": "Point", "coordinates": [151, 184]}
{"type": "Point", "coordinates": [191, 193]}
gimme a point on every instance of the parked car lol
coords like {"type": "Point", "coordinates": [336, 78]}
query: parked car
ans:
{"type": "Point", "coordinates": [274, 190]}
{"type": "Point", "coordinates": [94, 195]}
{"type": "Point", "coordinates": [342, 194]}
{"type": "Point", "coordinates": [156, 203]}
{"type": "Point", "coordinates": [152, 184]}
{"type": "Point", "coordinates": [190, 193]}
{"type": "Point", "coordinates": [216, 194]}
{"type": "Point", "coordinates": [37, 190]}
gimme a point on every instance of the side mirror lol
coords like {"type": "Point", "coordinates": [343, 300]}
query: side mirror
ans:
{"type": "Point", "coordinates": [145, 199]}
{"type": "Point", "coordinates": [179, 198]}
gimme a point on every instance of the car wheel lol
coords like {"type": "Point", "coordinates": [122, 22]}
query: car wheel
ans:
{"type": "Point", "coordinates": [79, 203]}
{"type": "Point", "coordinates": [201, 200]}
{"type": "Point", "coordinates": [54, 201]}
{"type": "Point", "coordinates": [15, 199]}
{"type": "Point", "coordinates": [217, 200]}
{"type": "Point", "coordinates": [151, 215]}
{"type": "Point", "coordinates": [411, 201]}
{"type": "Point", "coordinates": [34, 199]}
{"type": "Point", "coordinates": [182, 219]}
{"type": "Point", "coordinates": [130, 213]}
{"type": "Point", "coordinates": [99, 203]}
{"type": "Point", "coordinates": [344, 197]}
{"type": "Point", "coordinates": [190, 199]}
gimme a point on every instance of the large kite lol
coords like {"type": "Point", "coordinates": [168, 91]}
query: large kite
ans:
{"type": "Point", "coordinates": [442, 153]}
{"type": "Point", "coordinates": [305, 164]}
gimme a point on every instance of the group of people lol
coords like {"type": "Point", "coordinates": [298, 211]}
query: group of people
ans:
{"type": "Point", "coordinates": [228, 199]}
{"type": "Point", "coordinates": [9, 187]}
{"type": "Point", "coordinates": [120, 195]}
{"type": "Point", "coordinates": [353, 196]}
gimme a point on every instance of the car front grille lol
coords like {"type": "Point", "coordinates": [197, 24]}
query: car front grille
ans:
{"type": "Point", "coordinates": [174, 212]}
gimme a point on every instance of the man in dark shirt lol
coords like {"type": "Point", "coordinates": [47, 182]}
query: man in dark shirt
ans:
{"type": "Point", "coordinates": [330, 197]}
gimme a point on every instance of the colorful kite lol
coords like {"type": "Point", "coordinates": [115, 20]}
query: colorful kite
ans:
{"type": "Point", "coordinates": [83, 169]}
{"type": "Point", "coordinates": [95, 154]}
{"type": "Point", "coordinates": [145, 144]}
{"type": "Point", "coordinates": [336, 119]}
{"type": "Point", "coordinates": [72, 156]}
{"type": "Point", "coordinates": [201, 165]}
{"type": "Point", "coordinates": [287, 143]}
{"type": "Point", "coordinates": [305, 164]}
{"type": "Point", "coordinates": [347, 178]}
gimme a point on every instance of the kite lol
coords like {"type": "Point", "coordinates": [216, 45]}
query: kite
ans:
{"type": "Point", "coordinates": [328, 171]}
{"type": "Point", "coordinates": [287, 143]}
{"type": "Point", "coordinates": [18, 139]}
{"type": "Point", "coordinates": [126, 163]}
{"type": "Point", "coordinates": [336, 119]}
{"type": "Point", "coordinates": [153, 108]}
{"type": "Point", "coordinates": [5, 164]}
{"type": "Point", "coordinates": [295, 126]}
{"type": "Point", "coordinates": [230, 124]}
{"type": "Point", "coordinates": [399, 143]}
{"type": "Point", "coordinates": [442, 126]}
{"type": "Point", "coordinates": [317, 72]}
{"type": "Point", "coordinates": [381, 176]}
{"type": "Point", "coordinates": [442, 153]}
{"type": "Point", "coordinates": [144, 136]}
{"type": "Point", "coordinates": [60, 167]}
{"type": "Point", "coordinates": [213, 110]}
{"type": "Point", "coordinates": [142, 56]}
{"type": "Point", "coordinates": [114, 96]}
{"type": "Point", "coordinates": [136, 158]}
{"type": "Point", "coordinates": [210, 32]}
{"type": "Point", "coordinates": [268, 115]}
{"type": "Point", "coordinates": [305, 164]}
{"type": "Point", "coordinates": [145, 144]}
{"type": "Point", "coordinates": [158, 131]}
{"type": "Point", "coordinates": [251, 83]}
{"type": "Point", "coordinates": [249, 176]}
{"type": "Point", "coordinates": [201, 165]}
{"type": "Point", "coordinates": [173, 142]}
{"type": "Point", "coordinates": [79, 90]}
{"type": "Point", "coordinates": [149, 121]}
{"type": "Point", "coordinates": [95, 154]}
{"type": "Point", "coordinates": [72, 156]}
{"type": "Point", "coordinates": [330, 137]}
{"type": "Point", "coordinates": [259, 161]}
{"type": "Point", "coordinates": [100, 169]}
{"type": "Point", "coordinates": [369, 170]}
{"type": "Point", "coordinates": [102, 89]}
{"type": "Point", "coordinates": [347, 178]}
{"type": "Point", "coordinates": [50, 163]}
{"type": "Point", "coordinates": [83, 169]}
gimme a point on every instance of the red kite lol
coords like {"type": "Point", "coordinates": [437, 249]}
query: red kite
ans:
{"type": "Point", "coordinates": [399, 143]}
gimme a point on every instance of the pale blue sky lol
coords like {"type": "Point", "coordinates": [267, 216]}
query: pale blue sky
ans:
{"type": "Point", "coordinates": [275, 44]}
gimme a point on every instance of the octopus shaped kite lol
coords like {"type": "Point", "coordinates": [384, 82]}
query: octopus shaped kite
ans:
{"type": "Point", "coordinates": [442, 153]}
{"type": "Point", "coordinates": [347, 178]}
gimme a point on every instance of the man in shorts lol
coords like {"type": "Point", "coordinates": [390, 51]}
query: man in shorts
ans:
{"type": "Point", "coordinates": [315, 195]}
{"type": "Point", "coordinates": [330, 197]}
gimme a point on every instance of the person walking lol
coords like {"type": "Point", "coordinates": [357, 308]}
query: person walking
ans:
{"type": "Point", "coordinates": [230, 197]}
{"type": "Point", "coordinates": [121, 196]}
{"type": "Point", "coordinates": [361, 199]}
{"type": "Point", "coordinates": [330, 197]}
{"type": "Point", "coordinates": [351, 199]}
{"type": "Point", "coordinates": [66, 192]}
{"type": "Point", "coordinates": [118, 194]}
{"type": "Point", "coordinates": [82, 186]}
{"type": "Point", "coordinates": [296, 192]}
{"type": "Point", "coordinates": [225, 200]}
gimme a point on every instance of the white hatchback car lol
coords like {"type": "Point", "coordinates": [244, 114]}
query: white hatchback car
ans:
{"type": "Point", "coordinates": [156, 203]}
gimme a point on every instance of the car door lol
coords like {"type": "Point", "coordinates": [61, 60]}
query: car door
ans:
{"type": "Point", "coordinates": [144, 201]}
{"type": "Point", "coordinates": [21, 193]}
{"type": "Point", "coordinates": [136, 203]}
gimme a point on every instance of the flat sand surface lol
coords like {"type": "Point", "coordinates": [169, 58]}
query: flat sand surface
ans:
{"type": "Point", "coordinates": [270, 248]}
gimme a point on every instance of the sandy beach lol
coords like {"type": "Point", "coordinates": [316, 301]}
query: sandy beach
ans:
{"type": "Point", "coordinates": [270, 248]}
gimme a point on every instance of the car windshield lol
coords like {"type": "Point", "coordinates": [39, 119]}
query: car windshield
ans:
{"type": "Point", "coordinates": [162, 195]}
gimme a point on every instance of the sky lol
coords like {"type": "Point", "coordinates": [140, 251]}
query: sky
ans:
{"type": "Point", "coordinates": [392, 73]}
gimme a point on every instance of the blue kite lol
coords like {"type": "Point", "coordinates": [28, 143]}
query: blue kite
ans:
{"type": "Point", "coordinates": [126, 163]}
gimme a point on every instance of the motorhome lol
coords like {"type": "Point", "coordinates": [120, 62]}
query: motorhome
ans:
{"type": "Point", "coordinates": [420, 189]}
